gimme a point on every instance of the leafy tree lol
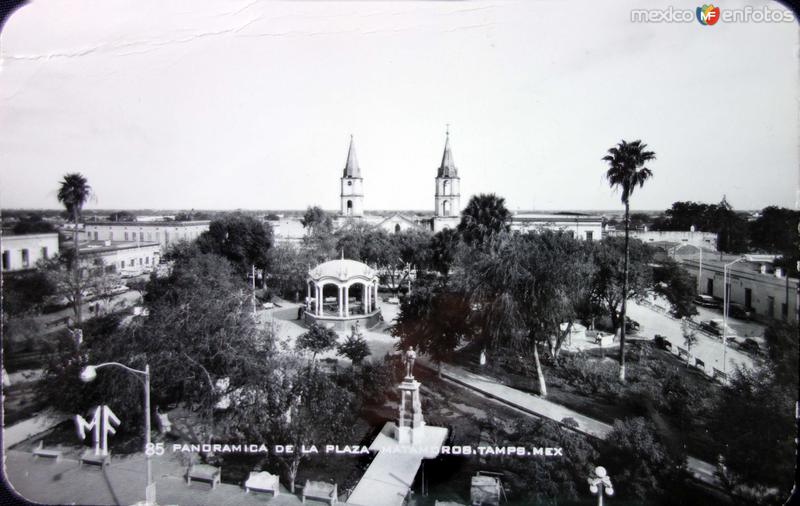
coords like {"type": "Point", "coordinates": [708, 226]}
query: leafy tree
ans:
{"type": "Point", "coordinates": [433, 320]}
{"type": "Point", "coordinates": [763, 408]}
{"type": "Point", "coordinates": [33, 224]}
{"type": "Point", "coordinates": [529, 291]}
{"type": "Point", "coordinates": [121, 216]}
{"type": "Point", "coordinates": [289, 269]}
{"type": "Point", "coordinates": [627, 171]}
{"type": "Point", "coordinates": [317, 221]}
{"type": "Point", "coordinates": [776, 231]}
{"type": "Point", "coordinates": [200, 341]}
{"type": "Point", "coordinates": [783, 353]}
{"type": "Point", "coordinates": [677, 285]}
{"type": "Point", "coordinates": [73, 192]}
{"type": "Point", "coordinates": [484, 218]}
{"type": "Point", "coordinates": [732, 230]}
{"type": "Point", "coordinates": [548, 481]}
{"type": "Point", "coordinates": [354, 347]}
{"type": "Point", "coordinates": [640, 465]}
{"type": "Point", "coordinates": [443, 249]}
{"type": "Point", "coordinates": [242, 239]}
{"type": "Point", "coordinates": [26, 292]}
{"type": "Point", "coordinates": [317, 339]}
{"type": "Point", "coordinates": [608, 286]}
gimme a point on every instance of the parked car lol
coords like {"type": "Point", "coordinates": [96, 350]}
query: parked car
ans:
{"type": "Point", "coordinates": [631, 325]}
{"type": "Point", "coordinates": [707, 301]}
{"type": "Point", "coordinates": [714, 326]}
{"type": "Point", "coordinates": [739, 311]}
{"type": "Point", "coordinates": [662, 343]}
{"type": "Point", "coordinates": [750, 345]}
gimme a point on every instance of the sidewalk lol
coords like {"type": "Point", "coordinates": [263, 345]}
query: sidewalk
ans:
{"type": "Point", "coordinates": [32, 426]}
{"type": "Point", "coordinates": [64, 482]}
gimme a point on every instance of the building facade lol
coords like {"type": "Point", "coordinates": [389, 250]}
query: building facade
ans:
{"type": "Point", "coordinates": [352, 186]}
{"type": "Point", "coordinates": [447, 199]}
{"type": "Point", "coordinates": [580, 226]}
{"type": "Point", "coordinates": [704, 240]}
{"type": "Point", "coordinates": [161, 232]}
{"type": "Point", "coordinates": [767, 292]}
{"type": "Point", "coordinates": [21, 252]}
{"type": "Point", "coordinates": [124, 258]}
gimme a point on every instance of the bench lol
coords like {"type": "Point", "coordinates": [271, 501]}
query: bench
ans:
{"type": "Point", "coordinates": [41, 451]}
{"type": "Point", "coordinates": [320, 490]}
{"type": "Point", "coordinates": [262, 482]}
{"type": "Point", "coordinates": [92, 459]}
{"type": "Point", "coordinates": [203, 472]}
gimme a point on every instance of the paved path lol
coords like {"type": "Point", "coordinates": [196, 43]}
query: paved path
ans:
{"type": "Point", "coordinates": [32, 426]}
{"type": "Point", "coordinates": [65, 482]}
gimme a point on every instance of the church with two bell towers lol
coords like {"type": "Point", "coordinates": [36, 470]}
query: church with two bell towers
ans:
{"type": "Point", "coordinates": [447, 197]}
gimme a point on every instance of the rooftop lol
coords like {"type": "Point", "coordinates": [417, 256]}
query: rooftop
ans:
{"type": "Point", "coordinates": [342, 269]}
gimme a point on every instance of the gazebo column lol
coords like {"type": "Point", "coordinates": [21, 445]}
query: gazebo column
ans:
{"type": "Point", "coordinates": [364, 298]}
{"type": "Point", "coordinates": [317, 296]}
{"type": "Point", "coordinates": [368, 294]}
{"type": "Point", "coordinates": [339, 299]}
{"type": "Point", "coordinates": [308, 296]}
{"type": "Point", "coordinates": [347, 302]}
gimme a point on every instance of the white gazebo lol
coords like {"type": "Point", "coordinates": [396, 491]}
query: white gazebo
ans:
{"type": "Point", "coordinates": [341, 292]}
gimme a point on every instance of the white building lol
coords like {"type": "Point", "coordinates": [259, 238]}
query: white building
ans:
{"type": "Point", "coordinates": [767, 292]}
{"type": "Point", "coordinates": [124, 258]}
{"type": "Point", "coordinates": [580, 226]}
{"type": "Point", "coordinates": [162, 232]}
{"type": "Point", "coordinates": [21, 252]}
{"type": "Point", "coordinates": [705, 240]}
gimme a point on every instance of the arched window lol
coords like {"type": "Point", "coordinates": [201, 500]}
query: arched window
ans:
{"type": "Point", "coordinates": [446, 208]}
{"type": "Point", "coordinates": [444, 187]}
{"type": "Point", "coordinates": [349, 207]}
{"type": "Point", "coordinates": [397, 228]}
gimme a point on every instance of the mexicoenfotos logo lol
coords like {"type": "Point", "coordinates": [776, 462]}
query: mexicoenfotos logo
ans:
{"type": "Point", "coordinates": [707, 14]}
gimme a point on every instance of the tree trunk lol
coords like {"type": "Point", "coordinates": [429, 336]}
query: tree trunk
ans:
{"type": "Point", "coordinates": [539, 373]}
{"type": "Point", "coordinates": [624, 297]}
{"type": "Point", "coordinates": [293, 473]}
{"type": "Point", "coordinates": [76, 303]}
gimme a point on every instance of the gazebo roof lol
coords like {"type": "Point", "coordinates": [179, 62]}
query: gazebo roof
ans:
{"type": "Point", "coordinates": [342, 269]}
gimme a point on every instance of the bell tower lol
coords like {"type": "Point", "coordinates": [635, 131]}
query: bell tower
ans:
{"type": "Point", "coordinates": [448, 191]}
{"type": "Point", "coordinates": [352, 194]}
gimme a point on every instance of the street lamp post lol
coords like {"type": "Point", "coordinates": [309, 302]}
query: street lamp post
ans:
{"type": "Point", "coordinates": [599, 483]}
{"type": "Point", "coordinates": [89, 373]}
{"type": "Point", "coordinates": [725, 303]}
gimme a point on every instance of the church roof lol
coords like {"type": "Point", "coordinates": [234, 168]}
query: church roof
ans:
{"type": "Point", "coordinates": [448, 167]}
{"type": "Point", "coordinates": [351, 169]}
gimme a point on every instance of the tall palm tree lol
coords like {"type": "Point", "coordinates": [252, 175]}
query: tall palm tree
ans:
{"type": "Point", "coordinates": [73, 192]}
{"type": "Point", "coordinates": [626, 171]}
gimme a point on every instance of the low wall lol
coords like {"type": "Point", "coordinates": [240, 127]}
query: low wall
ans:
{"type": "Point", "coordinates": [344, 324]}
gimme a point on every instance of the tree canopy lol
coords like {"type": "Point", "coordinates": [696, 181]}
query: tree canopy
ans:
{"type": "Point", "coordinates": [244, 240]}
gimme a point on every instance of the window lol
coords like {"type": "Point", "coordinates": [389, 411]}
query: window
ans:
{"type": "Point", "coordinates": [141, 236]}
{"type": "Point", "coordinates": [446, 208]}
{"type": "Point", "coordinates": [444, 187]}
{"type": "Point", "coordinates": [26, 259]}
{"type": "Point", "coordinates": [122, 264]}
{"type": "Point", "coordinates": [6, 260]}
{"type": "Point", "coordinates": [141, 262]}
{"type": "Point", "coordinates": [397, 228]}
{"type": "Point", "coordinates": [96, 236]}
{"type": "Point", "coordinates": [349, 207]}
{"type": "Point", "coordinates": [126, 236]}
{"type": "Point", "coordinates": [132, 262]}
{"type": "Point", "coordinates": [44, 252]}
{"type": "Point", "coordinates": [147, 261]}
{"type": "Point", "coordinates": [784, 311]}
{"type": "Point", "coordinates": [771, 307]}
{"type": "Point", "coordinates": [589, 236]}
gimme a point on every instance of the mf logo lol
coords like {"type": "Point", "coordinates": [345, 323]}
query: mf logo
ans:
{"type": "Point", "coordinates": [707, 14]}
{"type": "Point", "coordinates": [102, 424]}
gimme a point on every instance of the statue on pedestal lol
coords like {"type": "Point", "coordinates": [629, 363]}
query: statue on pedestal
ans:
{"type": "Point", "coordinates": [410, 357]}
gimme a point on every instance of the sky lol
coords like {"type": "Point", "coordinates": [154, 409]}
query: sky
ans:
{"type": "Point", "coordinates": [250, 104]}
